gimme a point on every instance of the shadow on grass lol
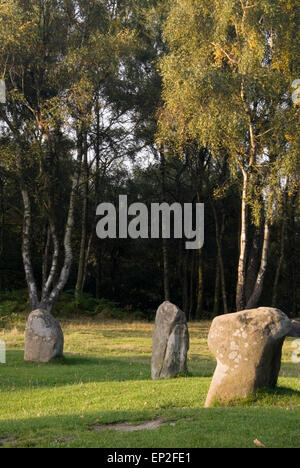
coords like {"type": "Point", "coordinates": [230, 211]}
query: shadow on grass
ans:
{"type": "Point", "coordinates": [201, 366]}
{"type": "Point", "coordinates": [76, 369]}
{"type": "Point", "coordinates": [70, 370]}
{"type": "Point", "coordinates": [71, 360]}
{"type": "Point", "coordinates": [290, 369]}
{"type": "Point", "coordinates": [279, 397]}
{"type": "Point", "coordinates": [284, 392]}
{"type": "Point", "coordinates": [279, 393]}
{"type": "Point", "coordinates": [184, 428]}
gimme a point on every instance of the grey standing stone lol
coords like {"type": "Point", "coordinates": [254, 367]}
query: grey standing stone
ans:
{"type": "Point", "coordinates": [44, 339]}
{"type": "Point", "coordinates": [295, 331]}
{"type": "Point", "coordinates": [248, 348]}
{"type": "Point", "coordinates": [170, 342]}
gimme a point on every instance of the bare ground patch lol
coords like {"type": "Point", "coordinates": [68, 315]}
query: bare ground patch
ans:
{"type": "Point", "coordinates": [7, 440]}
{"type": "Point", "coordinates": [129, 427]}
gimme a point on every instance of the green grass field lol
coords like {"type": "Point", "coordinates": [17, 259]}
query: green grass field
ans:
{"type": "Point", "coordinates": [105, 378]}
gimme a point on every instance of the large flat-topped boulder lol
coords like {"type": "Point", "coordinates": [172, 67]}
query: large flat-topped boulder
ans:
{"type": "Point", "coordinates": [170, 342]}
{"type": "Point", "coordinates": [44, 339]}
{"type": "Point", "coordinates": [248, 348]}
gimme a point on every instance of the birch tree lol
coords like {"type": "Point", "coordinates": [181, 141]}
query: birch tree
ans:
{"type": "Point", "coordinates": [33, 42]}
{"type": "Point", "coordinates": [227, 84]}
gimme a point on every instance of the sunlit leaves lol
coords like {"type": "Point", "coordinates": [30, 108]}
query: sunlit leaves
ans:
{"type": "Point", "coordinates": [229, 73]}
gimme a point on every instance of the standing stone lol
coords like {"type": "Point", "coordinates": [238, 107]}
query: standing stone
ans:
{"type": "Point", "coordinates": [248, 348]}
{"type": "Point", "coordinates": [170, 342]}
{"type": "Point", "coordinates": [44, 339]}
{"type": "Point", "coordinates": [295, 330]}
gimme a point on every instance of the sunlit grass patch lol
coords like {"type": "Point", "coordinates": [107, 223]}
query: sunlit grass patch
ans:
{"type": "Point", "coordinates": [104, 378]}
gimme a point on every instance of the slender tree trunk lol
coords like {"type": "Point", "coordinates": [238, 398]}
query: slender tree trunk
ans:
{"type": "Point", "coordinates": [115, 252]}
{"type": "Point", "coordinates": [49, 171]}
{"type": "Point", "coordinates": [192, 284]}
{"type": "Point", "coordinates": [82, 255]}
{"type": "Point", "coordinates": [46, 257]}
{"type": "Point", "coordinates": [26, 253]}
{"type": "Point", "coordinates": [280, 263]}
{"type": "Point", "coordinates": [31, 283]}
{"type": "Point", "coordinates": [258, 289]}
{"type": "Point", "coordinates": [165, 241]}
{"type": "Point", "coordinates": [87, 256]}
{"type": "Point", "coordinates": [199, 307]}
{"type": "Point", "coordinates": [49, 299]}
{"type": "Point", "coordinates": [2, 226]}
{"type": "Point", "coordinates": [200, 286]}
{"type": "Point", "coordinates": [217, 289]}
{"type": "Point", "coordinates": [185, 283]}
{"type": "Point", "coordinates": [221, 269]}
{"type": "Point", "coordinates": [65, 272]}
{"type": "Point", "coordinates": [240, 294]}
{"type": "Point", "coordinates": [97, 196]}
{"type": "Point", "coordinates": [98, 269]}
{"type": "Point", "coordinates": [253, 264]}
{"type": "Point", "coordinates": [242, 277]}
{"type": "Point", "coordinates": [166, 270]}
{"type": "Point", "coordinates": [55, 258]}
{"type": "Point", "coordinates": [294, 259]}
{"type": "Point", "coordinates": [2, 211]}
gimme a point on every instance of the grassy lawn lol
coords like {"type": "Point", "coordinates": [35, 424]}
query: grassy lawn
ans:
{"type": "Point", "coordinates": [105, 379]}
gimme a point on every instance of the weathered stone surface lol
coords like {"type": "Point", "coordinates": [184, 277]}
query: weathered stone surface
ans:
{"type": "Point", "coordinates": [170, 342]}
{"type": "Point", "coordinates": [248, 348]}
{"type": "Point", "coordinates": [44, 338]}
{"type": "Point", "coordinates": [295, 330]}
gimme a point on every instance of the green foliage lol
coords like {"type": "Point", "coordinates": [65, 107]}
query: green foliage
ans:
{"type": "Point", "coordinates": [86, 305]}
{"type": "Point", "coordinates": [227, 83]}
{"type": "Point", "coordinates": [106, 309]}
{"type": "Point", "coordinates": [13, 304]}
{"type": "Point", "coordinates": [14, 307]}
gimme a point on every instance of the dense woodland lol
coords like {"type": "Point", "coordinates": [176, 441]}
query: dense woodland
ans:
{"type": "Point", "coordinates": [182, 101]}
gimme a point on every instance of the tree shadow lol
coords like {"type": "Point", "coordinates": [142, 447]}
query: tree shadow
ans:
{"type": "Point", "coordinates": [71, 360]}
{"type": "Point", "coordinates": [201, 366]}
{"type": "Point", "coordinates": [76, 369]}
{"type": "Point", "coordinates": [223, 427]}
{"type": "Point", "coordinates": [285, 392]}
{"type": "Point", "coordinates": [290, 369]}
{"type": "Point", "coordinates": [69, 370]}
